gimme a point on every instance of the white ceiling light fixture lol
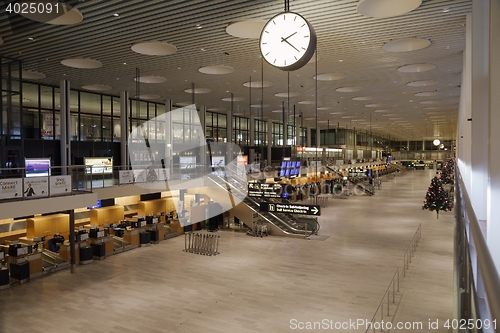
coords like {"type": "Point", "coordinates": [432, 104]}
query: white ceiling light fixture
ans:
{"type": "Point", "coordinates": [325, 108]}
{"type": "Point", "coordinates": [258, 84]}
{"type": "Point", "coordinates": [428, 93]}
{"type": "Point", "coordinates": [155, 48]}
{"type": "Point", "coordinates": [329, 77]}
{"type": "Point", "coordinates": [307, 102]}
{"type": "Point", "coordinates": [148, 96]}
{"type": "Point", "coordinates": [276, 111]}
{"type": "Point", "coordinates": [363, 98]}
{"type": "Point", "coordinates": [386, 8]}
{"type": "Point", "coordinates": [198, 91]}
{"type": "Point", "coordinates": [348, 89]}
{"type": "Point", "coordinates": [63, 14]}
{"type": "Point", "coordinates": [416, 68]}
{"type": "Point", "coordinates": [82, 63]}
{"type": "Point", "coordinates": [31, 75]}
{"type": "Point", "coordinates": [97, 87]}
{"type": "Point", "coordinates": [436, 142]}
{"type": "Point", "coordinates": [150, 79]}
{"type": "Point", "coordinates": [216, 70]}
{"type": "Point", "coordinates": [284, 94]}
{"type": "Point", "coordinates": [376, 105]}
{"type": "Point", "coordinates": [406, 45]}
{"type": "Point", "coordinates": [234, 99]}
{"type": "Point", "coordinates": [250, 29]}
{"type": "Point", "coordinates": [423, 83]}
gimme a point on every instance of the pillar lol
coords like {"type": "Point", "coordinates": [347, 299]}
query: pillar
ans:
{"type": "Point", "coordinates": [269, 141]}
{"type": "Point", "coordinates": [124, 112]}
{"type": "Point", "coordinates": [64, 126]}
{"type": "Point", "coordinates": [169, 135]}
{"type": "Point", "coordinates": [230, 133]}
{"type": "Point", "coordinates": [308, 137]}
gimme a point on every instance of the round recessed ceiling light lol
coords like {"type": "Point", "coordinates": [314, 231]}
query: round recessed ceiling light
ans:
{"type": "Point", "coordinates": [348, 89]}
{"type": "Point", "coordinates": [416, 68]}
{"type": "Point", "coordinates": [428, 93]}
{"type": "Point", "coordinates": [307, 102]}
{"type": "Point", "coordinates": [148, 96]}
{"type": "Point", "coordinates": [31, 75]}
{"type": "Point", "coordinates": [154, 48]}
{"type": "Point", "coordinates": [151, 79]}
{"type": "Point", "coordinates": [258, 105]}
{"type": "Point", "coordinates": [435, 101]}
{"type": "Point", "coordinates": [216, 70]}
{"type": "Point", "coordinates": [363, 98]}
{"type": "Point", "coordinates": [198, 91]}
{"type": "Point", "coordinates": [246, 29]}
{"type": "Point", "coordinates": [292, 94]}
{"type": "Point", "coordinates": [258, 84]}
{"type": "Point", "coordinates": [423, 83]}
{"type": "Point", "coordinates": [65, 15]}
{"type": "Point", "coordinates": [386, 8]}
{"type": "Point", "coordinates": [329, 77]}
{"type": "Point", "coordinates": [406, 45]}
{"type": "Point", "coordinates": [235, 99]}
{"type": "Point", "coordinates": [97, 87]}
{"type": "Point", "coordinates": [84, 63]}
{"type": "Point", "coordinates": [216, 109]}
{"type": "Point", "coordinates": [182, 104]}
{"type": "Point", "coordinates": [374, 105]}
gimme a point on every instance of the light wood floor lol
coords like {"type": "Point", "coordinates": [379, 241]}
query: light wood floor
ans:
{"type": "Point", "coordinates": [257, 284]}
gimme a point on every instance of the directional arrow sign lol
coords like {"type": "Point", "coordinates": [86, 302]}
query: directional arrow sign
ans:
{"type": "Point", "coordinates": [274, 207]}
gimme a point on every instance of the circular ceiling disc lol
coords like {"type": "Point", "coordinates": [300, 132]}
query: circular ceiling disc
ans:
{"type": "Point", "coordinates": [235, 99]}
{"type": "Point", "coordinates": [154, 48]}
{"type": "Point", "coordinates": [64, 15]}
{"type": "Point", "coordinates": [307, 102]}
{"type": "Point", "coordinates": [148, 96]}
{"type": "Point", "coordinates": [246, 29]}
{"type": "Point", "coordinates": [258, 105]}
{"type": "Point", "coordinates": [216, 70]}
{"type": "Point", "coordinates": [363, 98]}
{"type": "Point", "coordinates": [424, 83]}
{"type": "Point", "coordinates": [216, 109]}
{"type": "Point", "coordinates": [387, 8]}
{"type": "Point", "coordinates": [416, 68]}
{"type": "Point", "coordinates": [374, 105]}
{"type": "Point", "coordinates": [198, 91]}
{"type": "Point", "coordinates": [97, 87]}
{"type": "Point", "coordinates": [151, 79]}
{"type": "Point", "coordinates": [406, 45]}
{"type": "Point", "coordinates": [435, 101]}
{"type": "Point", "coordinates": [258, 84]}
{"type": "Point", "coordinates": [428, 93]}
{"type": "Point", "coordinates": [82, 63]}
{"type": "Point", "coordinates": [329, 77]}
{"type": "Point", "coordinates": [32, 75]}
{"type": "Point", "coordinates": [284, 94]}
{"type": "Point", "coordinates": [349, 89]}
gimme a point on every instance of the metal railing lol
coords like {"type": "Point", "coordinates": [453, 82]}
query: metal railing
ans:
{"type": "Point", "coordinates": [477, 290]}
{"type": "Point", "coordinates": [412, 247]}
{"type": "Point", "coordinates": [387, 296]}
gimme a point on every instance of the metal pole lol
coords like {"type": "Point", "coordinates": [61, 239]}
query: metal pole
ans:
{"type": "Point", "coordinates": [72, 251]}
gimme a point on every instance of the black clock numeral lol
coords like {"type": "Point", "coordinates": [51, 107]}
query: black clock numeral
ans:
{"type": "Point", "coordinates": [302, 25]}
{"type": "Point", "coordinates": [264, 43]}
{"type": "Point", "coordinates": [295, 18]}
{"type": "Point", "coordinates": [274, 22]}
{"type": "Point", "coordinates": [266, 31]}
{"type": "Point", "coordinates": [306, 36]}
{"type": "Point", "coordinates": [274, 61]}
{"type": "Point", "coordinates": [295, 57]}
{"type": "Point", "coordinates": [303, 48]}
{"type": "Point", "coordinates": [266, 54]}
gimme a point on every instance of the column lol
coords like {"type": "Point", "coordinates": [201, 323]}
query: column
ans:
{"type": "Point", "coordinates": [285, 124]}
{"type": "Point", "coordinates": [493, 190]}
{"type": "Point", "coordinates": [204, 158]}
{"type": "Point", "coordinates": [251, 130]}
{"type": "Point", "coordinates": [230, 134]}
{"type": "Point", "coordinates": [168, 136]}
{"type": "Point", "coordinates": [308, 137]}
{"type": "Point", "coordinates": [124, 112]}
{"type": "Point", "coordinates": [64, 126]}
{"type": "Point", "coordinates": [269, 141]}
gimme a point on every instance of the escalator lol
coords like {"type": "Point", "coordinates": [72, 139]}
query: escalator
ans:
{"type": "Point", "coordinates": [247, 209]}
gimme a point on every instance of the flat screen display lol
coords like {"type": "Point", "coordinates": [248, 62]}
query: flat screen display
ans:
{"type": "Point", "coordinates": [282, 173]}
{"type": "Point", "coordinates": [37, 167]}
{"type": "Point", "coordinates": [283, 165]}
{"type": "Point", "coordinates": [97, 165]}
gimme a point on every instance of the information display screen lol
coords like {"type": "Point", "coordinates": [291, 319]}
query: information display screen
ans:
{"type": "Point", "coordinates": [290, 167]}
{"type": "Point", "coordinates": [98, 165]}
{"type": "Point", "coordinates": [37, 167]}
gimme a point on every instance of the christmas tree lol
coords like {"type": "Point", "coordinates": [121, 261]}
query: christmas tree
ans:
{"type": "Point", "coordinates": [448, 172]}
{"type": "Point", "coordinates": [437, 198]}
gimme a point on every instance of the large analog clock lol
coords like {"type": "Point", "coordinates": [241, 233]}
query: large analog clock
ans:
{"type": "Point", "coordinates": [287, 41]}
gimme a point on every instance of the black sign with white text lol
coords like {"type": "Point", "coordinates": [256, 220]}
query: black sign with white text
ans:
{"type": "Point", "coordinates": [290, 208]}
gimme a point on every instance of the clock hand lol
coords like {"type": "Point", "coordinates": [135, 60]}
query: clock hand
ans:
{"type": "Point", "coordinates": [284, 40]}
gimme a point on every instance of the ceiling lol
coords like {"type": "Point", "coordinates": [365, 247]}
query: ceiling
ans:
{"type": "Point", "coordinates": [348, 43]}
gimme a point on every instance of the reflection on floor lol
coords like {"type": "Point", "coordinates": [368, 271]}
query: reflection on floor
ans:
{"type": "Point", "coordinates": [270, 284]}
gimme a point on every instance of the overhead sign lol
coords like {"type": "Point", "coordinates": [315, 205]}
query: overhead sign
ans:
{"type": "Point", "coordinates": [290, 208]}
{"type": "Point", "coordinates": [264, 190]}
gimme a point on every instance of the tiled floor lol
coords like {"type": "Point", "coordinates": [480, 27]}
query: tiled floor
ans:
{"type": "Point", "coordinates": [257, 284]}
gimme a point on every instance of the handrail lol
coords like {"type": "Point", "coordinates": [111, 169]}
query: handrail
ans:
{"type": "Point", "coordinates": [380, 307]}
{"type": "Point", "coordinates": [412, 247]}
{"type": "Point", "coordinates": [488, 273]}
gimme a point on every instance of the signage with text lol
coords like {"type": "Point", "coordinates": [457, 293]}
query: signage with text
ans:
{"type": "Point", "coordinates": [264, 190]}
{"type": "Point", "coordinates": [290, 208]}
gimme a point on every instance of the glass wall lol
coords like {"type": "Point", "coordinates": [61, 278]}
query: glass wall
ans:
{"type": "Point", "coordinates": [241, 131]}
{"type": "Point", "coordinates": [277, 134]}
{"type": "Point", "coordinates": [216, 126]}
{"type": "Point", "coordinates": [260, 132]}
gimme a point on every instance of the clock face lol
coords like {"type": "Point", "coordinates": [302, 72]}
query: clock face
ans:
{"type": "Point", "coordinates": [287, 41]}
